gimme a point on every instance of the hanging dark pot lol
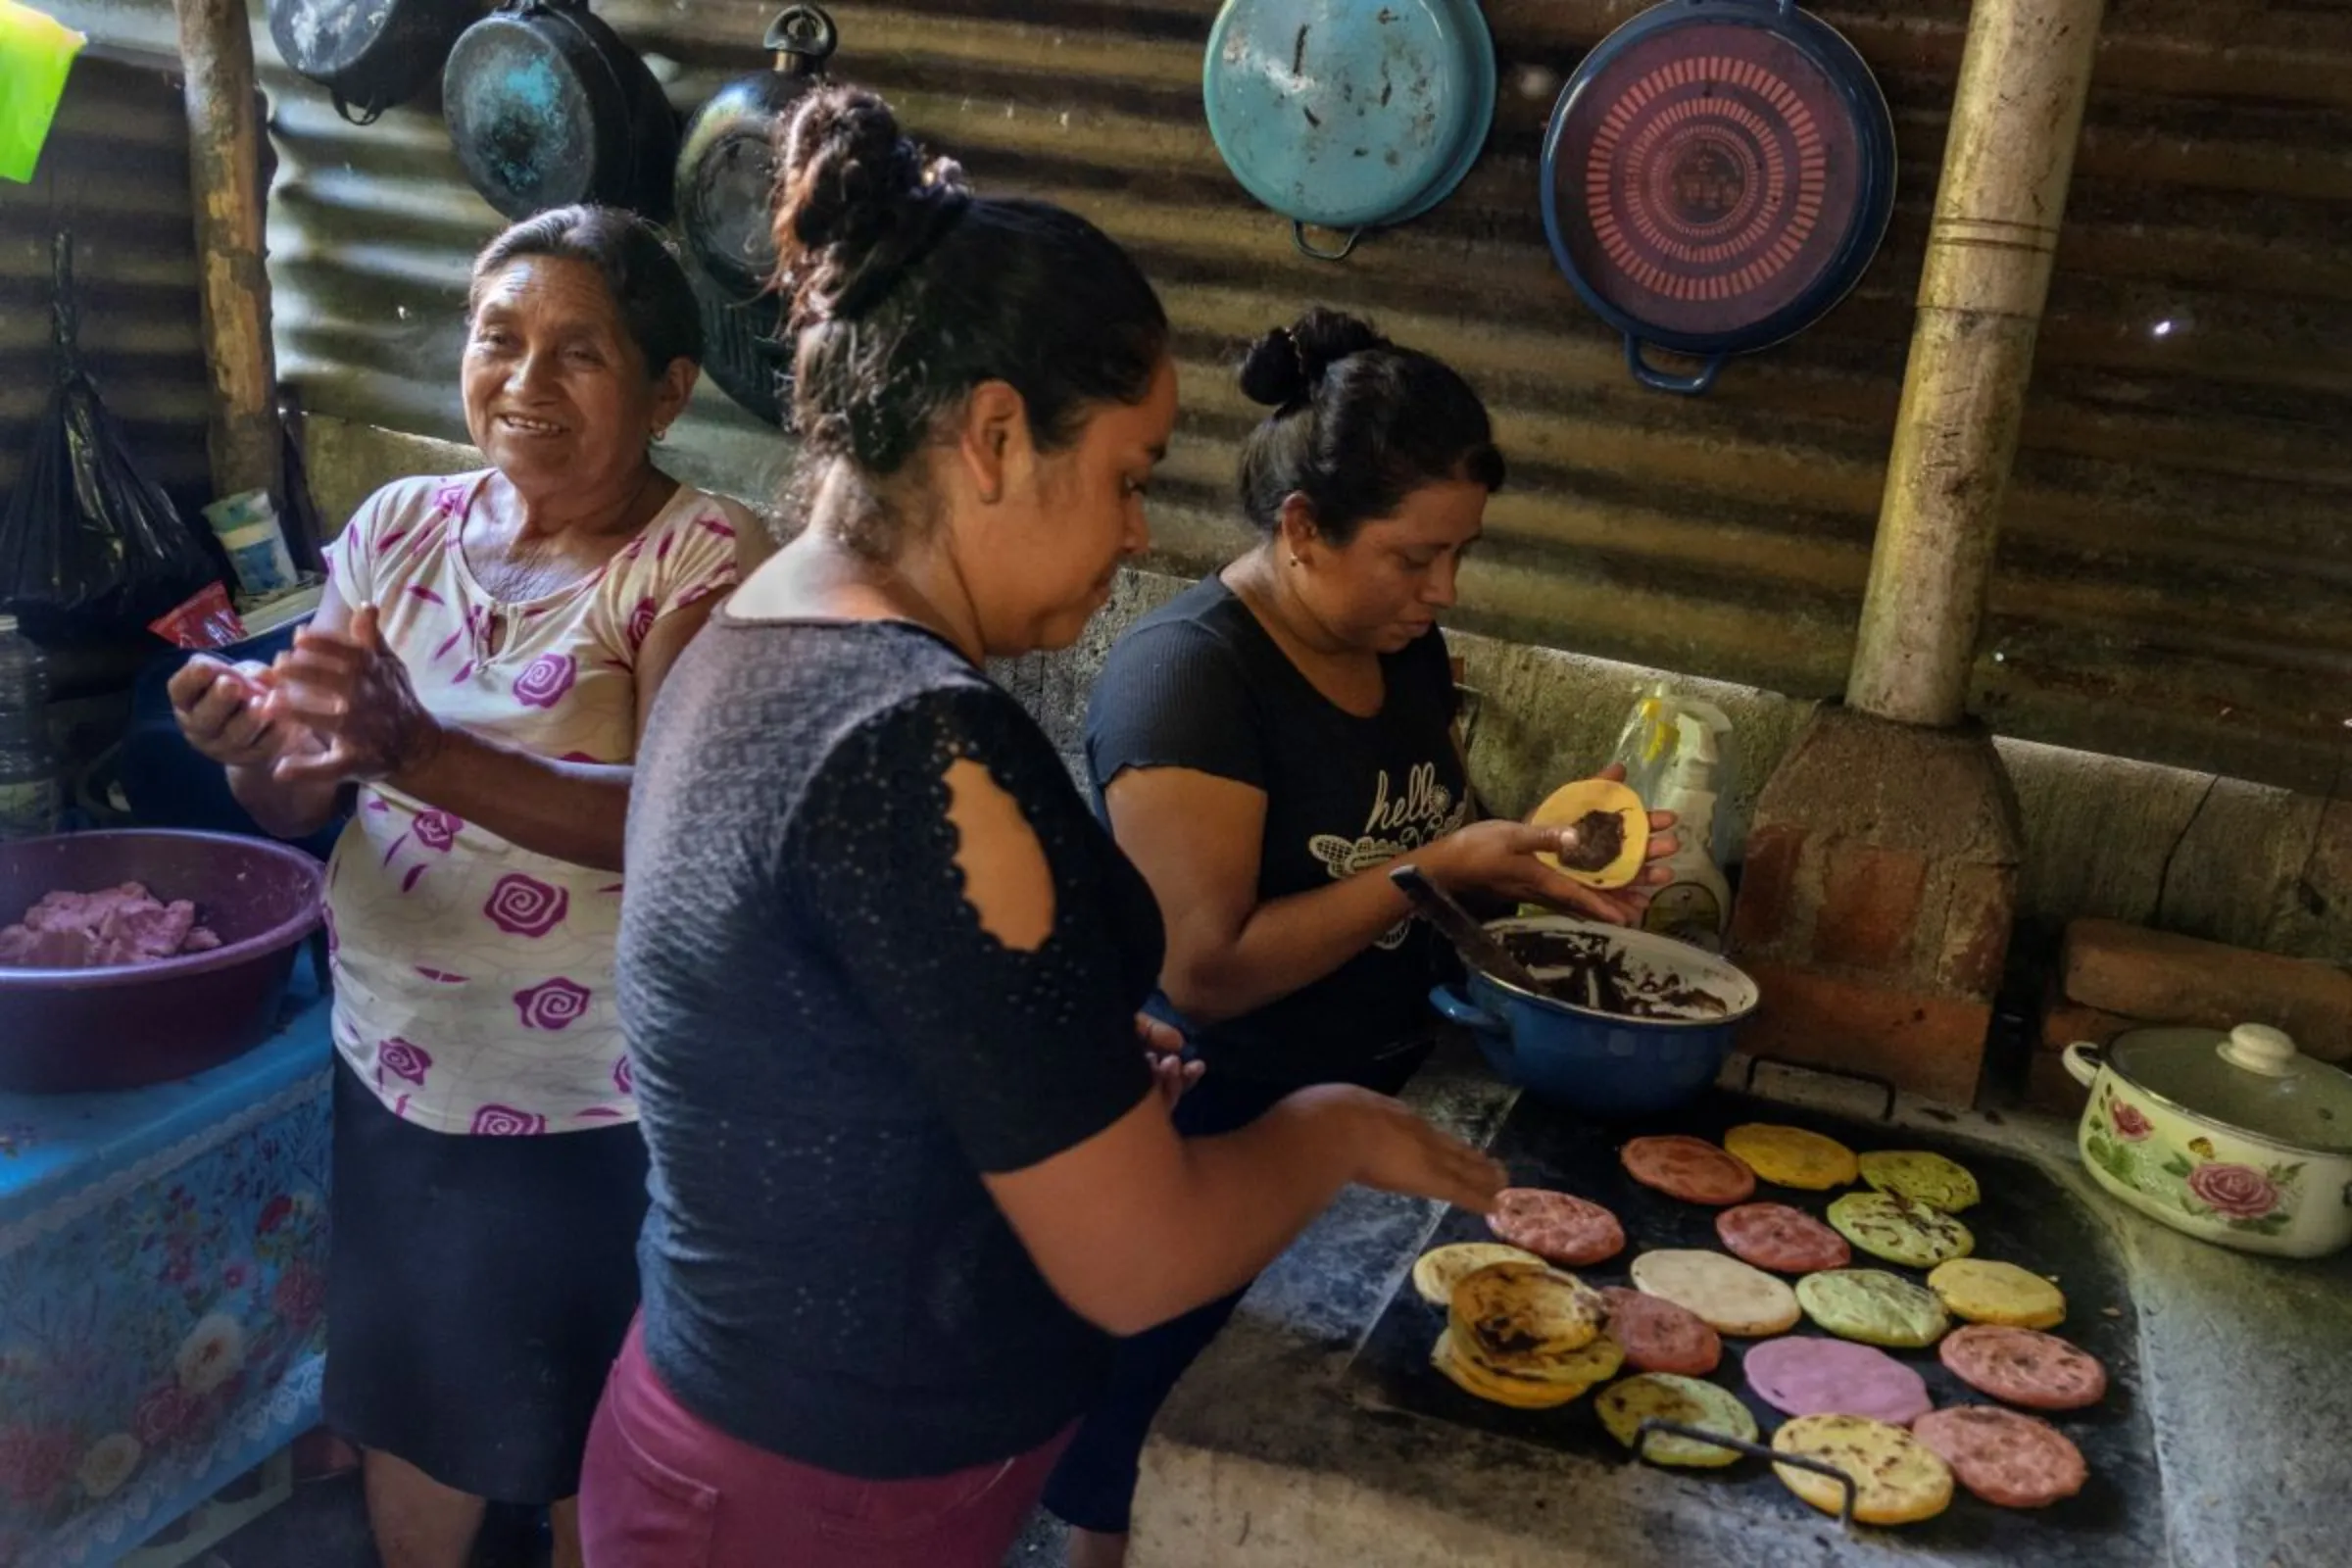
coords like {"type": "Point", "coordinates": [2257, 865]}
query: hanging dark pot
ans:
{"type": "Point", "coordinates": [745, 351]}
{"type": "Point", "coordinates": [725, 186]}
{"type": "Point", "coordinates": [726, 171]}
{"type": "Point", "coordinates": [369, 55]}
{"type": "Point", "coordinates": [546, 107]}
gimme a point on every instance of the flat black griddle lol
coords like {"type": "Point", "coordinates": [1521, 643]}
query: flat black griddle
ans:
{"type": "Point", "coordinates": [2024, 1218]}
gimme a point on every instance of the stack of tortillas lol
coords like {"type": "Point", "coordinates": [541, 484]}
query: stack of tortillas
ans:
{"type": "Point", "coordinates": [1439, 1270]}
{"type": "Point", "coordinates": [1526, 1335]}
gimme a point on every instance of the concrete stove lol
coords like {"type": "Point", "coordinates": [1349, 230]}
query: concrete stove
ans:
{"type": "Point", "coordinates": [1264, 1459]}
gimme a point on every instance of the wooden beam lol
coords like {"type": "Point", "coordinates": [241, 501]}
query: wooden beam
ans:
{"type": "Point", "coordinates": [2017, 115]}
{"type": "Point", "coordinates": [224, 172]}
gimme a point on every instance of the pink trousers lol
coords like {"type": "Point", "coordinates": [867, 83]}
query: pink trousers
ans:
{"type": "Point", "coordinates": [663, 1488]}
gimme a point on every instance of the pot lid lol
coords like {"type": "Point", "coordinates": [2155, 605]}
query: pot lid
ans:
{"type": "Point", "coordinates": [2252, 1079]}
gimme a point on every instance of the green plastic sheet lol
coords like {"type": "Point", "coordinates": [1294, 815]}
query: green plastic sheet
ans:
{"type": "Point", "coordinates": [36, 52]}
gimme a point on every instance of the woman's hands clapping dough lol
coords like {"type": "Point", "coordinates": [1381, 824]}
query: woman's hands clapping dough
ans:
{"type": "Point", "coordinates": [219, 708]}
{"type": "Point", "coordinates": [353, 694]}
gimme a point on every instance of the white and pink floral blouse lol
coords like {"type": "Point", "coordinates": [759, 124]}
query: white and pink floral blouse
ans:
{"type": "Point", "coordinates": [473, 979]}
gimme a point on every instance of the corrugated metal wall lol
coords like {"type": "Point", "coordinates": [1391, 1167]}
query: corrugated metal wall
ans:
{"type": "Point", "coordinates": [115, 172]}
{"type": "Point", "coordinates": [2177, 575]}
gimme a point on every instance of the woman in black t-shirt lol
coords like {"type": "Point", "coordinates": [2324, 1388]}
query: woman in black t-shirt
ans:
{"type": "Point", "coordinates": [879, 964]}
{"type": "Point", "coordinates": [1267, 746]}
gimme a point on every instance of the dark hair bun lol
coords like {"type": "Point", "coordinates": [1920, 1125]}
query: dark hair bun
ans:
{"type": "Point", "coordinates": [1288, 364]}
{"type": "Point", "coordinates": [1271, 374]}
{"type": "Point", "coordinates": [1359, 424]}
{"type": "Point", "coordinates": [856, 201]}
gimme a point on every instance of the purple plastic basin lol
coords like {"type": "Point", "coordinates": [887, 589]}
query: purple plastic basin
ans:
{"type": "Point", "coordinates": [65, 1031]}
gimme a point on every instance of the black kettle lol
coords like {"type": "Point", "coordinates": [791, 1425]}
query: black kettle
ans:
{"type": "Point", "coordinates": [727, 163]}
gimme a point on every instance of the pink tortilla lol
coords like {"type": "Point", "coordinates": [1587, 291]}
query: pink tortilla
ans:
{"type": "Point", "coordinates": [1835, 1377]}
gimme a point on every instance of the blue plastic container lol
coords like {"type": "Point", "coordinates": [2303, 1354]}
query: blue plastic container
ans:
{"type": "Point", "coordinates": [1596, 1064]}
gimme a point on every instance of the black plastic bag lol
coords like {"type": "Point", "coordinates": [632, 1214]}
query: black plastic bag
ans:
{"type": "Point", "coordinates": [90, 544]}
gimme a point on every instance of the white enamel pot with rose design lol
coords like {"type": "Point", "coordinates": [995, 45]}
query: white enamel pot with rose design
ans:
{"type": "Point", "coordinates": [2234, 1138]}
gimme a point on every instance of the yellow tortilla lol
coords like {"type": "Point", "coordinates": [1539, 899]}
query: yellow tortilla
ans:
{"type": "Point", "coordinates": [1440, 1269]}
{"type": "Point", "coordinates": [1569, 804]}
{"type": "Point", "coordinates": [1687, 1401]}
{"type": "Point", "coordinates": [1980, 1289]}
{"type": "Point", "coordinates": [1565, 1379]}
{"type": "Point", "coordinates": [1506, 1313]}
{"type": "Point", "coordinates": [1899, 1479]}
{"type": "Point", "coordinates": [1791, 1156]}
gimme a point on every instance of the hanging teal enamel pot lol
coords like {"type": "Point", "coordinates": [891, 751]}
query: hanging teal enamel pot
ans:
{"type": "Point", "coordinates": [1349, 115]}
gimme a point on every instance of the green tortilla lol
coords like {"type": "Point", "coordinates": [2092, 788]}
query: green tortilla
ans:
{"type": "Point", "coordinates": [1689, 1401]}
{"type": "Point", "coordinates": [1871, 1306]}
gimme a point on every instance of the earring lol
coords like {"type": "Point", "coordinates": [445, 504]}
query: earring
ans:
{"type": "Point", "coordinates": [1294, 560]}
{"type": "Point", "coordinates": [661, 433]}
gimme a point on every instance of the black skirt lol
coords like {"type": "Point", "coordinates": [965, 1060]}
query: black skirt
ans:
{"type": "Point", "coordinates": [477, 1293]}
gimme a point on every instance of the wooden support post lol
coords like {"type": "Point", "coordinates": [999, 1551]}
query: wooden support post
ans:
{"type": "Point", "coordinates": [225, 170]}
{"type": "Point", "coordinates": [2015, 117]}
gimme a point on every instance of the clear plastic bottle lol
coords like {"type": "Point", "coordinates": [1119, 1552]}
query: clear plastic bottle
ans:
{"type": "Point", "coordinates": [28, 787]}
{"type": "Point", "coordinates": [1678, 757]}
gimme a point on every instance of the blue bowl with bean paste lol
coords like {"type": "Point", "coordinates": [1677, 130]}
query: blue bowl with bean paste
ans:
{"type": "Point", "coordinates": [1630, 1023]}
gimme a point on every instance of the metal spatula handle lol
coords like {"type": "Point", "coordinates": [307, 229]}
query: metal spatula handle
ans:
{"type": "Point", "coordinates": [1473, 941]}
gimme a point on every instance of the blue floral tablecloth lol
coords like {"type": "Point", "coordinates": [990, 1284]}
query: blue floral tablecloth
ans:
{"type": "Point", "coordinates": [162, 1287]}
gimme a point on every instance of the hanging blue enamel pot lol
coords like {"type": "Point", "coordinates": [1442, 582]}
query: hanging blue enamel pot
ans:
{"type": "Point", "coordinates": [1717, 175]}
{"type": "Point", "coordinates": [1349, 115]}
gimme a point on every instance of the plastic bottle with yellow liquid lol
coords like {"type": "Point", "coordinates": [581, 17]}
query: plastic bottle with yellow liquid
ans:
{"type": "Point", "coordinates": [1677, 755]}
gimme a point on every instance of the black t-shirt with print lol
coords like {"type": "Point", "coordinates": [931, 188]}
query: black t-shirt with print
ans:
{"type": "Point", "coordinates": [1200, 684]}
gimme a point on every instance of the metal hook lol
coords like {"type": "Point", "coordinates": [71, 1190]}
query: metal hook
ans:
{"type": "Point", "coordinates": [1657, 380]}
{"type": "Point", "coordinates": [1298, 239]}
{"type": "Point", "coordinates": [804, 35]}
{"type": "Point", "coordinates": [65, 317]}
{"type": "Point", "coordinates": [358, 115]}
{"type": "Point", "coordinates": [1754, 1451]}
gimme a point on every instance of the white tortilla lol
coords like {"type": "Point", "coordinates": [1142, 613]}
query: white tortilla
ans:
{"type": "Point", "coordinates": [1721, 1292]}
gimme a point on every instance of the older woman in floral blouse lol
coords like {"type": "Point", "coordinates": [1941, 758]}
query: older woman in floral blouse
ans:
{"type": "Point", "coordinates": [477, 677]}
